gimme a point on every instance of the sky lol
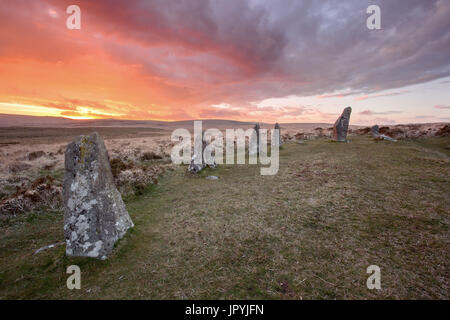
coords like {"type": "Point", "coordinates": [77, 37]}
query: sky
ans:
{"type": "Point", "coordinates": [256, 60]}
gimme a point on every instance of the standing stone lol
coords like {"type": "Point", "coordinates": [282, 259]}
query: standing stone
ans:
{"type": "Point", "coordinates": [253, 147]}
{"type": "Point", "coordinates": [375, 131]}
{"type": "Point", "coordinates": [277, 126]}
{"type": "Point", "coordinates": [340, 127]}
{"type": "Point", "coordinates": [376, 134]}
{"type": "Point", "coordinates": [95, 216]}
{"type": "Point", "coordinates": [257, 136]}
{"type": "Point", "coordinates": [195, 167]}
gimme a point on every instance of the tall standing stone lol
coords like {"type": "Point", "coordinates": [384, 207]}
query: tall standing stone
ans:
{"type": "Point", "coordinates": [257, 136]}
{"type": "Point", "coordinates": [199, 161]}
{"type": "Point", "coordinates": [375, 131]}
{"type": "Point", "coordinates": [95, 216]}
{"type": "Point", "coordinates": [340, 127]}
{"type": "Point", "coordinates": [277, 127]}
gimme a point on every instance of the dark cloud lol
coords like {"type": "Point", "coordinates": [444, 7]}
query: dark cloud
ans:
{"type": "Point", "coordinates": [272, 48]}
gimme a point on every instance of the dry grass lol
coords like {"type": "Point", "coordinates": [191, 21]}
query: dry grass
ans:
{"type": "Point", "coordinates": [39, 152]}
{"type": "Point", "coordinates": [309, 232]}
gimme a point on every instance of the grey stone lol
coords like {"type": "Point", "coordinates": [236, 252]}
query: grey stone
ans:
{"type": "Point", "coordinates": [257, 136]}
{"type": "Point", "coordinates": [212, 178]}
{"type": "Point", "coordinates": [197, 166]}
{"type": "Point", "coordinates": [277, 126]}
{"type": "Point", "coordinates": [376, 134]}
{"type": "Point", "coordinates": [95, 216]}
{"type": "Point", "coordinates": [340, 128]}
{"type": "Point", "coordinates": [385, 137]}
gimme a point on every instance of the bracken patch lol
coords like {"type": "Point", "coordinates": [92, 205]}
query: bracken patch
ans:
{"type": "Point", "coordinates": [42, 194]}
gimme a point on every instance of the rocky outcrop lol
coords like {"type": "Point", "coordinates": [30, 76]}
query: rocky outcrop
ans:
{"type": "Point", "coordinates": [195, 166]}
{"type": "Point", "coordinates": [95, 216]}
{"type": "Point", "coordinates": [375, 131]}
{"type": "Point", "coordinates": [444, 131]}
{"type": "Point", "coordinates": [340, 128]}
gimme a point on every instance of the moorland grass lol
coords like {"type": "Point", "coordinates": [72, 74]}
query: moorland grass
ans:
{"type": "Point", "coordinates": [308, 232]}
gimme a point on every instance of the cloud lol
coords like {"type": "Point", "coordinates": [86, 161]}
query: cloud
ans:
{"type": "Point", "coordinates": [371, 113]}
{"type": "Point", "coordinates": [424, 117]}
{"type": "Point", "coordinates": [336, 95]}
{"type": "Point", "coordinates": [267, 113]}
{"type": "Point", "coordinates": [177, 58]}
{"type": "Point", "coordinates": [442, 107]}
{"type": "Point", "coordinates": [384, 120]}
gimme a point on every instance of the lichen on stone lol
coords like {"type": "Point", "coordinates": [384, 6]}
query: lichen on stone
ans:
{"type": "Point", "coordinates": [95, 216]}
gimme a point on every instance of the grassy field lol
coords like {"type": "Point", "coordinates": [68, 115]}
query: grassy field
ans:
{"type": "Point", "coordinates": [308, 232]}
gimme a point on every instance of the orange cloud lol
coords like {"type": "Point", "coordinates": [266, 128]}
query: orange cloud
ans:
{"type": "Point", "coordinates": [175, 60]}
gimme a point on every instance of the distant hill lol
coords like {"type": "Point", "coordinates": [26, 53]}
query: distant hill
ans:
{"type": "Point", "coordinates": [11, 120]}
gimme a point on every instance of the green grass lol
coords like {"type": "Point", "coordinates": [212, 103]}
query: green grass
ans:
{"type": "Point", "coordinates": [308, 232]}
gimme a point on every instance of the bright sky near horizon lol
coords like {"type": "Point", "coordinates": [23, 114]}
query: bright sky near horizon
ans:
{"type": "Point", "coordinates": [256, 60]}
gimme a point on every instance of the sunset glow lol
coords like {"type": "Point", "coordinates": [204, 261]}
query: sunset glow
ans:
{"type": "Point", "coordinates": [191, 60]}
